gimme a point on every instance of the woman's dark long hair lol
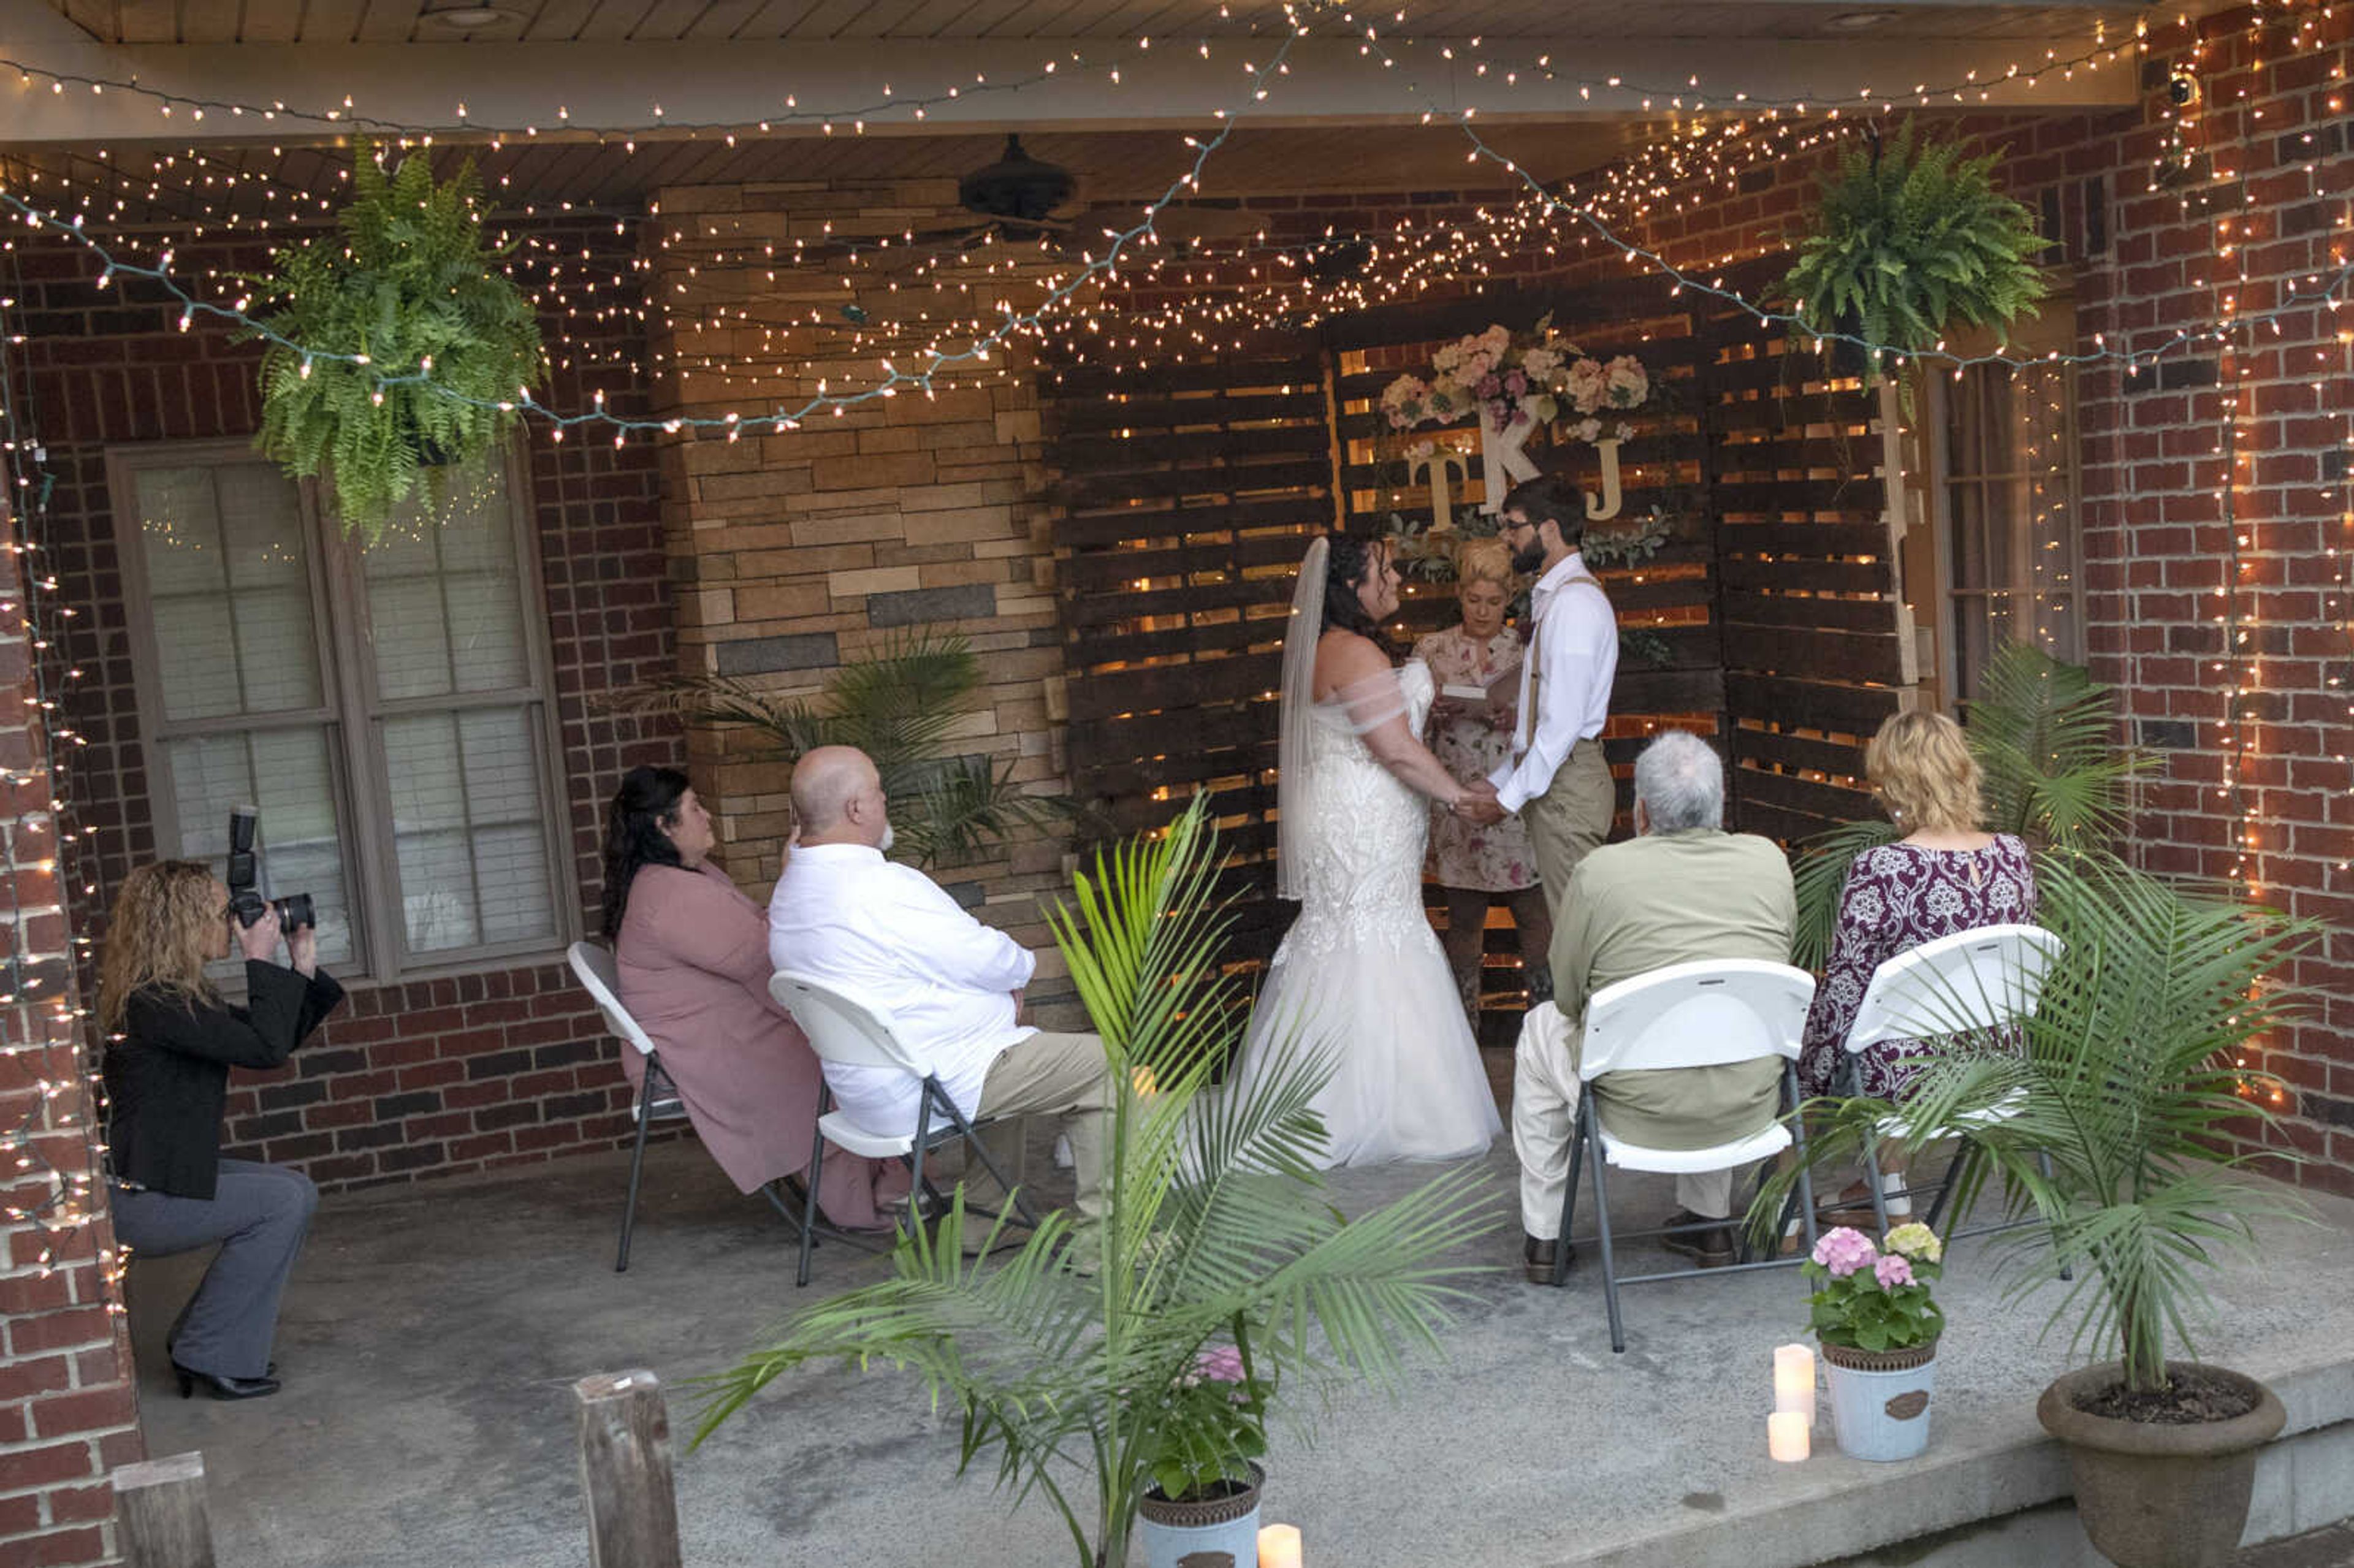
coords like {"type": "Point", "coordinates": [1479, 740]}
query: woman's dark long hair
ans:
{"type": "Point", "coordinates": [646, 803]}
{"type": "Point", "coordinates": [1344, 573]}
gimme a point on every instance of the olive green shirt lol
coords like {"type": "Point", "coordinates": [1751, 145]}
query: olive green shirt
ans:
{"type": "Point", "coordinates": [1674, 898]}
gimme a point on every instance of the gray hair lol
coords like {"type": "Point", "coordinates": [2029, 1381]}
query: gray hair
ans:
{"type": "Point", "coordinates": [1681, 783]}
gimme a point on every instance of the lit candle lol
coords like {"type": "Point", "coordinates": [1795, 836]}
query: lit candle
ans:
{"type": "Point", "coordinates": [1279, 1546]}
{"type": "Point", "coordinates": [1786, 1440]}
{"type": "Point", "coordinates": [1794, 1381]}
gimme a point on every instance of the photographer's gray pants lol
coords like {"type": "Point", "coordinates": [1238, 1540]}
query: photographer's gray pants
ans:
{"type": "Point", "coordinates": [259, 1214]}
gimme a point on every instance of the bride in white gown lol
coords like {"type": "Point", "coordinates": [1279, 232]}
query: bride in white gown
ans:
{"type": "Point", "coordinates": [1359, 978]}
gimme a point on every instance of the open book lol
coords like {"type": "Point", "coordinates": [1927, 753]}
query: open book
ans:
{"type": "Point", "coordinates": [1503, 690]}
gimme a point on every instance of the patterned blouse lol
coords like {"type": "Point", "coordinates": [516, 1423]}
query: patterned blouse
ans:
{"type": "Point", "coordinates": [1897, 897]}
{"type": "Point", "coordinates": [1463, 853]}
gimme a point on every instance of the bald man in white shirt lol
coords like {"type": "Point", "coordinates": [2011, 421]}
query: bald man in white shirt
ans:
{"type": "Point", "coordinates": [888, 936]}
{"type": "Point", "coordinates": [1558, 779]}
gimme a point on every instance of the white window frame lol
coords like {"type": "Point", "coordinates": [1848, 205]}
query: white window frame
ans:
{"type": "Point", "coordinates": [353, 717]}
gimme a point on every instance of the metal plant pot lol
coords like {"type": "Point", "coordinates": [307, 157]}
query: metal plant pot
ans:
{"type": "Point", "coordinates": [1217, 1532]}
{"type": "Point", "coordinates": [1880, 1400]}
{"type": "Point", "coordinates": [2158, 1496]}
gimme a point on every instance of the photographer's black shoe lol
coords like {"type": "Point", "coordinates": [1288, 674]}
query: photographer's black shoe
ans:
{"type": "Point", "coordinates": [225, 1387]}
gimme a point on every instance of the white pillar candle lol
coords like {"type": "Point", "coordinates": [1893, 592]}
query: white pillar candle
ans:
{"type": "Point", "coordinates": [1279, 1546]}
{"type": "Point", "coordinates": [1794, 1381]}
{"type": "Point", "coordinates": [1786, 1438]}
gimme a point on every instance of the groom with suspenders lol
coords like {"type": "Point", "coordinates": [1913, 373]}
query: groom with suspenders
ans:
{"type": "Point", "coordinates": [1557, 780]}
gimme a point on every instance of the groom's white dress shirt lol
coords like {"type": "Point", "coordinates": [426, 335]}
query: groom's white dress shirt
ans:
{"type": "Point", "coordinates": [885, 935]}
{"type": "Point", "coordinates": [1568, 672]}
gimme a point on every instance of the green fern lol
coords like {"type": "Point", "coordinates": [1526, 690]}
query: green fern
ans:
{"type": "Point", "coordinates": [1911, 241]}
{"type": "Point", "coordinates": [414, 286]}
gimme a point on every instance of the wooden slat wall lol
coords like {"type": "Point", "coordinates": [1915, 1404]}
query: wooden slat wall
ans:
{"type": "Point", "coordinates": [1187, 494]}
{"type": "Point", "coordinates": [1813, 626]}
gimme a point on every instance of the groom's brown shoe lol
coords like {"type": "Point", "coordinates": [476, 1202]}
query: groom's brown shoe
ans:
{"type": "Point", "coordinates": [1538, 1258]}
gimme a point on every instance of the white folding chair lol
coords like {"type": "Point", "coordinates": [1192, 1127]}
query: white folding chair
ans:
{"type": "Point", "coordinates": [1987, 977]}
{"type": "Point", "coordinates": [1709, 1013]}
{"type": "Point", "coordinates": [843, 1030]}
{"type": "Point", "coordinates": [657, 1097]}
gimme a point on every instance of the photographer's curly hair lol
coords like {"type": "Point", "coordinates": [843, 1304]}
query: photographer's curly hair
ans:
{"type": "Point", "coordinates": [1344, 572]}
{"type": "Point", "coordinates": [644, 806]}
{"type": "Point", "coordinates": [156, 939]}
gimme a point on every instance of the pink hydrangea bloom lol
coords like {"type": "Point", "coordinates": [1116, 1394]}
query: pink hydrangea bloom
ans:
{"type": "Point", "coordinates": [1892, 1270]}
{"type": "Point", "coordinates": [1843, 1251]}
{"type": "Point", "coordinates": [1222, 1363]}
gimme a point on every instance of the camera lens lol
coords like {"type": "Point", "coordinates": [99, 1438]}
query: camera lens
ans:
{"type": "Point", "coordinates": [295, 912]}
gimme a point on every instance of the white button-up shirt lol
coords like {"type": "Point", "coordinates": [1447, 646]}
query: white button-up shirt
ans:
{"type": "Point", "coordinates": [885, 935]}
{"type": "Point", "coordinates": [1574, 663]}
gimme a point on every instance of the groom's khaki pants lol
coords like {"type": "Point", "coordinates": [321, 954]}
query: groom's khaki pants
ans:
{"type": "Point", "coordinates": [1571, 818]}
{"type": "Point", "coordinates": [1544, 1114]}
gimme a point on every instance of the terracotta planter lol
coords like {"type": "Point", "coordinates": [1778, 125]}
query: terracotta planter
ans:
{"type": "Point", "coordinates": [2155, 1496]}
{"type": "Point", "coordinates": [1880, 1400]}
{"type": "Point", "coordinates": [1219, 1532]}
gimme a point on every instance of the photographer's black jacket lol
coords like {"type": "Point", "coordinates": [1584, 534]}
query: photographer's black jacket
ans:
{"type": "Point", "coordinates": [167, 1077]}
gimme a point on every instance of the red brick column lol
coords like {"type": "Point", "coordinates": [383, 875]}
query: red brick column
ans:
{"type": "Point", "coordinates": [69, 1406]}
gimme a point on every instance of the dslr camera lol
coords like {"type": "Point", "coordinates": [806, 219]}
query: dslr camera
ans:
{"type": "Point", "coordinates": [245, 900]}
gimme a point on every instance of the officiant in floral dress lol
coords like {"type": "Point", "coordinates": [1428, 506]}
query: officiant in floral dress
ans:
{"type": "Point", "coordinates": [1473, 739]}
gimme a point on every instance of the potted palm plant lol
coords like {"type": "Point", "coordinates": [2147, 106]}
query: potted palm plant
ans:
{"type": "Point", "coordinates": [1218, 1236]}
{"type": "Point", "coordinates": [2131, 1085]}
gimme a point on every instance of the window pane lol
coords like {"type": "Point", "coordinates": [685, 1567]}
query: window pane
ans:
{"type": "Point", "coordinates": [230, 585]}
{"type": "Point", "coordinates": [473, 857]}
{"type": "Point", "coordinates": [286, 773]}
{"type": "Point", "coordinates": [445, 596]}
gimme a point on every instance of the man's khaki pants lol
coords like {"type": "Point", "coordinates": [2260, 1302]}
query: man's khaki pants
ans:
{"type": "Point", "coordinates": [1544, 1113]}
{"type": "Point", "coordinates": [1571, 818]}
{"type": "Point", "coordinates": [1061, 1076]}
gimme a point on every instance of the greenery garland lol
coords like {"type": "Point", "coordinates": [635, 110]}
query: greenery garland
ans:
{"type": "Point", "coordinates": [1911, 240]}
{"type": "Point", "coordinates": [415, 289]}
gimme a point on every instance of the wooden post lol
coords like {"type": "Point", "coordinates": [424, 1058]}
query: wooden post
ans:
{"type": "Point", "coordinates": [161, 1506]}
{"type": "Point", "coordinates": [625, 1471]}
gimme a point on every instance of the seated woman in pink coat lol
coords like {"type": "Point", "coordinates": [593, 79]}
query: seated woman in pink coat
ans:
{"type": "Point", "coordinates": [693, 959]}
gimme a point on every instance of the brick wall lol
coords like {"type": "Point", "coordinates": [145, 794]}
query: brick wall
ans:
{"type": "Point", "coordinates": [425, 1076]}
{"type": "Point", "coordinates": [2218, 525]}
{"type": "Point", "coordinates": [68, 1412]}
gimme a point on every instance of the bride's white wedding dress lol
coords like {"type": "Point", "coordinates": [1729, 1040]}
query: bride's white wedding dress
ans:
{"type": "Point", "coordinates": [1360, 977]}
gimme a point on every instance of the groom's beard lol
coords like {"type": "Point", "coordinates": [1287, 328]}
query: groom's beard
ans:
{"type": "Point", "coordinates": [1528, 560]}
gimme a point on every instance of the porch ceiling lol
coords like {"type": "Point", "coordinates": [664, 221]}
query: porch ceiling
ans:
{"type": "Point", "coordinates": [727, 21]}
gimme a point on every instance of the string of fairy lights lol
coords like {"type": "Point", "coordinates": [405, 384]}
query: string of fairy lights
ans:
{"type": "Point", "coordinates": [1133, 296]}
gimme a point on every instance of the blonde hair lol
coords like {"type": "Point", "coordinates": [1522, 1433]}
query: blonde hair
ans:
{"type": "Point", "coordinates": [1924, 773]}
{"type": "Point", "coordinates": [162, 924]}
{"type": "Point", "coordinates": [1484, 561]}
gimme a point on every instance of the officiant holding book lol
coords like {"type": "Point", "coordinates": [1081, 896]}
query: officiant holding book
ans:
{"type": "Point", "coordinates": [1477, 667]}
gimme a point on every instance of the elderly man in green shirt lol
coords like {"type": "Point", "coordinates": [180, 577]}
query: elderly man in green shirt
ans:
{"type": "Point", "coordinates": [1682, 889]}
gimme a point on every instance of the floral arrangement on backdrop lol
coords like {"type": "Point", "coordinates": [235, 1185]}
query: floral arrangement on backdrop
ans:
{"type": "Point", "coordinates": [1513, 379]}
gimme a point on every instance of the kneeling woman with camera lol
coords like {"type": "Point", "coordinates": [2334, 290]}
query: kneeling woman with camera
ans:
{"type": "Point", "coordinates": [171, 1041]}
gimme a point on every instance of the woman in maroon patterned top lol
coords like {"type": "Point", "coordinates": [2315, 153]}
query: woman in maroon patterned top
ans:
{"type": "Point", "coordinates": [1944, 875]}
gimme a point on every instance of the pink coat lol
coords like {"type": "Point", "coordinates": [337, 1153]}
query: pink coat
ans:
{"type": "Point", "coordinates": [694, 958]}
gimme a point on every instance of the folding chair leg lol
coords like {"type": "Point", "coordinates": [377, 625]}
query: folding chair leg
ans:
{"type": "Point", "coordinates": [637, 1162]}
{"type": "Point", "coordinates": [1806, 1164]}
{"type": "Point", "coordinates": [1569, 1197]}
{"type": "Point", "coordinates": [816, 1169]}
{"type": "Point", "coordinates": [1602, 1225]}
{"type": "Point", "coordinates": [975, 1144]}
{"type": "Point", "coordinates": [2043, 1164]}
{"type": "Point", "coordinates": [1945, 1184]}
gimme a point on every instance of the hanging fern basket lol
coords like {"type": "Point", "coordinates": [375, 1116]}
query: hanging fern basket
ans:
{"type": "Point", "coordinates": [399, 348]}
{"type": "Point", "coordinates": [1910, 243]}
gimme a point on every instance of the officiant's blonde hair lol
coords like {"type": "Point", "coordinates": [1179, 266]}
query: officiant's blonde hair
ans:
{"type": "Point", "coordinates": [1484, 561]}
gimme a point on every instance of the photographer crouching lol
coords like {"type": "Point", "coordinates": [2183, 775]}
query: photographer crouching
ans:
{"type": "Point", "coordinates": [171, 1041]}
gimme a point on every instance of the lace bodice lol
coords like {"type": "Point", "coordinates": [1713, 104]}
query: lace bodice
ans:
{"type": "Point", "coordinates": [1363, 842]}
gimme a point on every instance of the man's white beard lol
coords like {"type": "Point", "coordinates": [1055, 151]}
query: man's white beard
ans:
{"type": "Point", "coordinates": [888, 838]}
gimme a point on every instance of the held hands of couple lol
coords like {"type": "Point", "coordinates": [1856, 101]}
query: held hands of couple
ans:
{"type": "Point", "coordinates": [1477, 803]}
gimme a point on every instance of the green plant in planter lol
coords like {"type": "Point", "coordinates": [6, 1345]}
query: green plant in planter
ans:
{"type": "Point", "coordinates": [1220, 1254]}
{"type": "Point", "coordinates": [897, 705]}
{"type": "Point", "coordinates": [1912, 240]}
{"type": "Point", "coordinates": [449, 341]}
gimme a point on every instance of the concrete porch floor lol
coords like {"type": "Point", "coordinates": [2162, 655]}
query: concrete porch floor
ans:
{"type": "Point", "coordinates": [432, 1332]}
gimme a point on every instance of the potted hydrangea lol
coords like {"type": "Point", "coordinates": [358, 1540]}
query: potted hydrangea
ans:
{"type": "Point", "coordinates": [1879, 1327]}
{"type": "Point", "coordinates": [1207, 1431]}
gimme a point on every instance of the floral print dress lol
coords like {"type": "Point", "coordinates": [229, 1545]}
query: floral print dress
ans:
{"type": "Point", "coordinates": [1463, 853]}
{"type": "Point", "coordinates": [1897, 897]}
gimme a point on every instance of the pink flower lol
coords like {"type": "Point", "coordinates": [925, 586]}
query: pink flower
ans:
{"type": "Point", "coordinates": [1843, 1251]}
{"type": "Point", "coordinates": [1221, 1363]}
{"type": "Point", "coordinates": [1516, 383]}
{"type": "Point", "coordinates": [1892, 1271]}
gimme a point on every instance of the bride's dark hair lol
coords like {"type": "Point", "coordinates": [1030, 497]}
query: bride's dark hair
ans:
{"type": "Point", "coordinates": [1344, 573]}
